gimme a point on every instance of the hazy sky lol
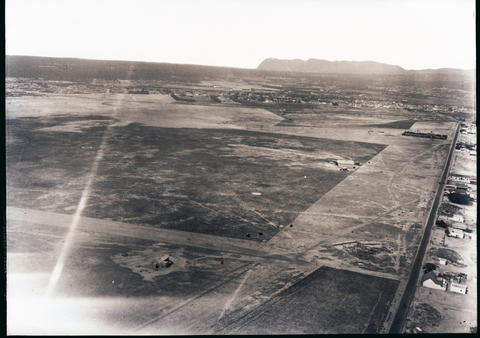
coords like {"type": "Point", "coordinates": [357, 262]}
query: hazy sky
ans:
{"type": "Point", "coordinates": [413, 34]}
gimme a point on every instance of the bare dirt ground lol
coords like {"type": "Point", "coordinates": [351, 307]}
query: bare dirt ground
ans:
{"type": "Point", "coordinates": [328, 287]}
{"type": "Point", "coordinates": [152, 110]}
{"type": "Point", "coordinates": [203, 180]}
{"type": "Point", "coordinates": [365, 227]}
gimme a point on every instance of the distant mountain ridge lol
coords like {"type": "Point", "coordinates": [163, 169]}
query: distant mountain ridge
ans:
{"type": "Point", "coordinates": [74, 69]}
{"type": "Point", "coordinates": [341, 67]}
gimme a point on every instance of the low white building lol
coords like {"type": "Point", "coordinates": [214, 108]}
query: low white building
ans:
{"type": "Point", "coordinates": [456, 233]}
{"type": "Point", "coordinates": [442, 261]}
{"type": "Point", "coordinates": [458, 288]}
{"type": "Point", "coordinates": [432, 281]}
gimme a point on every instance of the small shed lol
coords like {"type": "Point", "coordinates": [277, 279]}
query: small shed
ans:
{"type": "Point", "coordinates": [345, 163]}
{"type": "Point", "coordinates": [458, 288]}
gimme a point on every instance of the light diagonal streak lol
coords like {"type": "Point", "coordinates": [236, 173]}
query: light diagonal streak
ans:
{"type": "Point", "coordinates": [57, 271]}
{"type": "Point", "coordinates": [234, 295]}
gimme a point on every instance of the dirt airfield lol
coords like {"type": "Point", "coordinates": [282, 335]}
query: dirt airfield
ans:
{"type": "Point", "coordinates": [265, 234]}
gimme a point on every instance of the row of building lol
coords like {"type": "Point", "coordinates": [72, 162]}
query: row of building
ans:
{"type": "Point", "coordinates": [455, 227]}
{"type": "Point", "coordinates": [444, 282]}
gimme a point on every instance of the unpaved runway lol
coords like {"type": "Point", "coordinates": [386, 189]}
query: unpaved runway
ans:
{"type": "Point", "coordinates": [95, 226]}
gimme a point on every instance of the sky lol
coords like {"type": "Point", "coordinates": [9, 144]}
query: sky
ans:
{"type": "Point", "coordinates": [414, 34]}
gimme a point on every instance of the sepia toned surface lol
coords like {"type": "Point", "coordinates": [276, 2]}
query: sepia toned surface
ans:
{"type": "Point", "coordinates": [278, 217]}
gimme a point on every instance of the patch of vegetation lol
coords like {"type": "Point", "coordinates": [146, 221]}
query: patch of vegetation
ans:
{"type": "Point", "coordinates": [328, 300]}
{"type": "Point", "coordinates": [440, 223]}
{"type": "Point", "coordinates": [379, 256]}
{"type": "Point", "coordinates": [448, 254]}
{"type": "Point", "coordinates": [448, 209]}
{"type": "Point", "coordinates": [460, 198]}
{"type": "Point", "coordinates": [429, 267]}
{"type": "Point", "coordinates": [426, 315]}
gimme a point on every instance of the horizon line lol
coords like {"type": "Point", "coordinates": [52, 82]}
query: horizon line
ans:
{"type": "Point", "coordinates": [235, 67]}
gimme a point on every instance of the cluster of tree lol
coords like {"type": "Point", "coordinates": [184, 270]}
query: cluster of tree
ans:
{"type": "Point", "coordinates": [460, 198]}
{"type": "Point", "coordinates": [429, 267]}
{"type": "Point", "coordinates": [442, 224]}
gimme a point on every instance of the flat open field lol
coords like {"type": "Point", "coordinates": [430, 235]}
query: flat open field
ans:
{"type": "Point", "coordinates": [217, 181]}
{"type": "Point", "coordinates": [264, 231]}
{"type": "Point", "coordinates": [321, 302]}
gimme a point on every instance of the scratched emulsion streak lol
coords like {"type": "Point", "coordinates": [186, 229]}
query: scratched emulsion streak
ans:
{"type": "Point", "coordinates": [234, 295]}
{"type": "Point", "coordinates": [57, 271]}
